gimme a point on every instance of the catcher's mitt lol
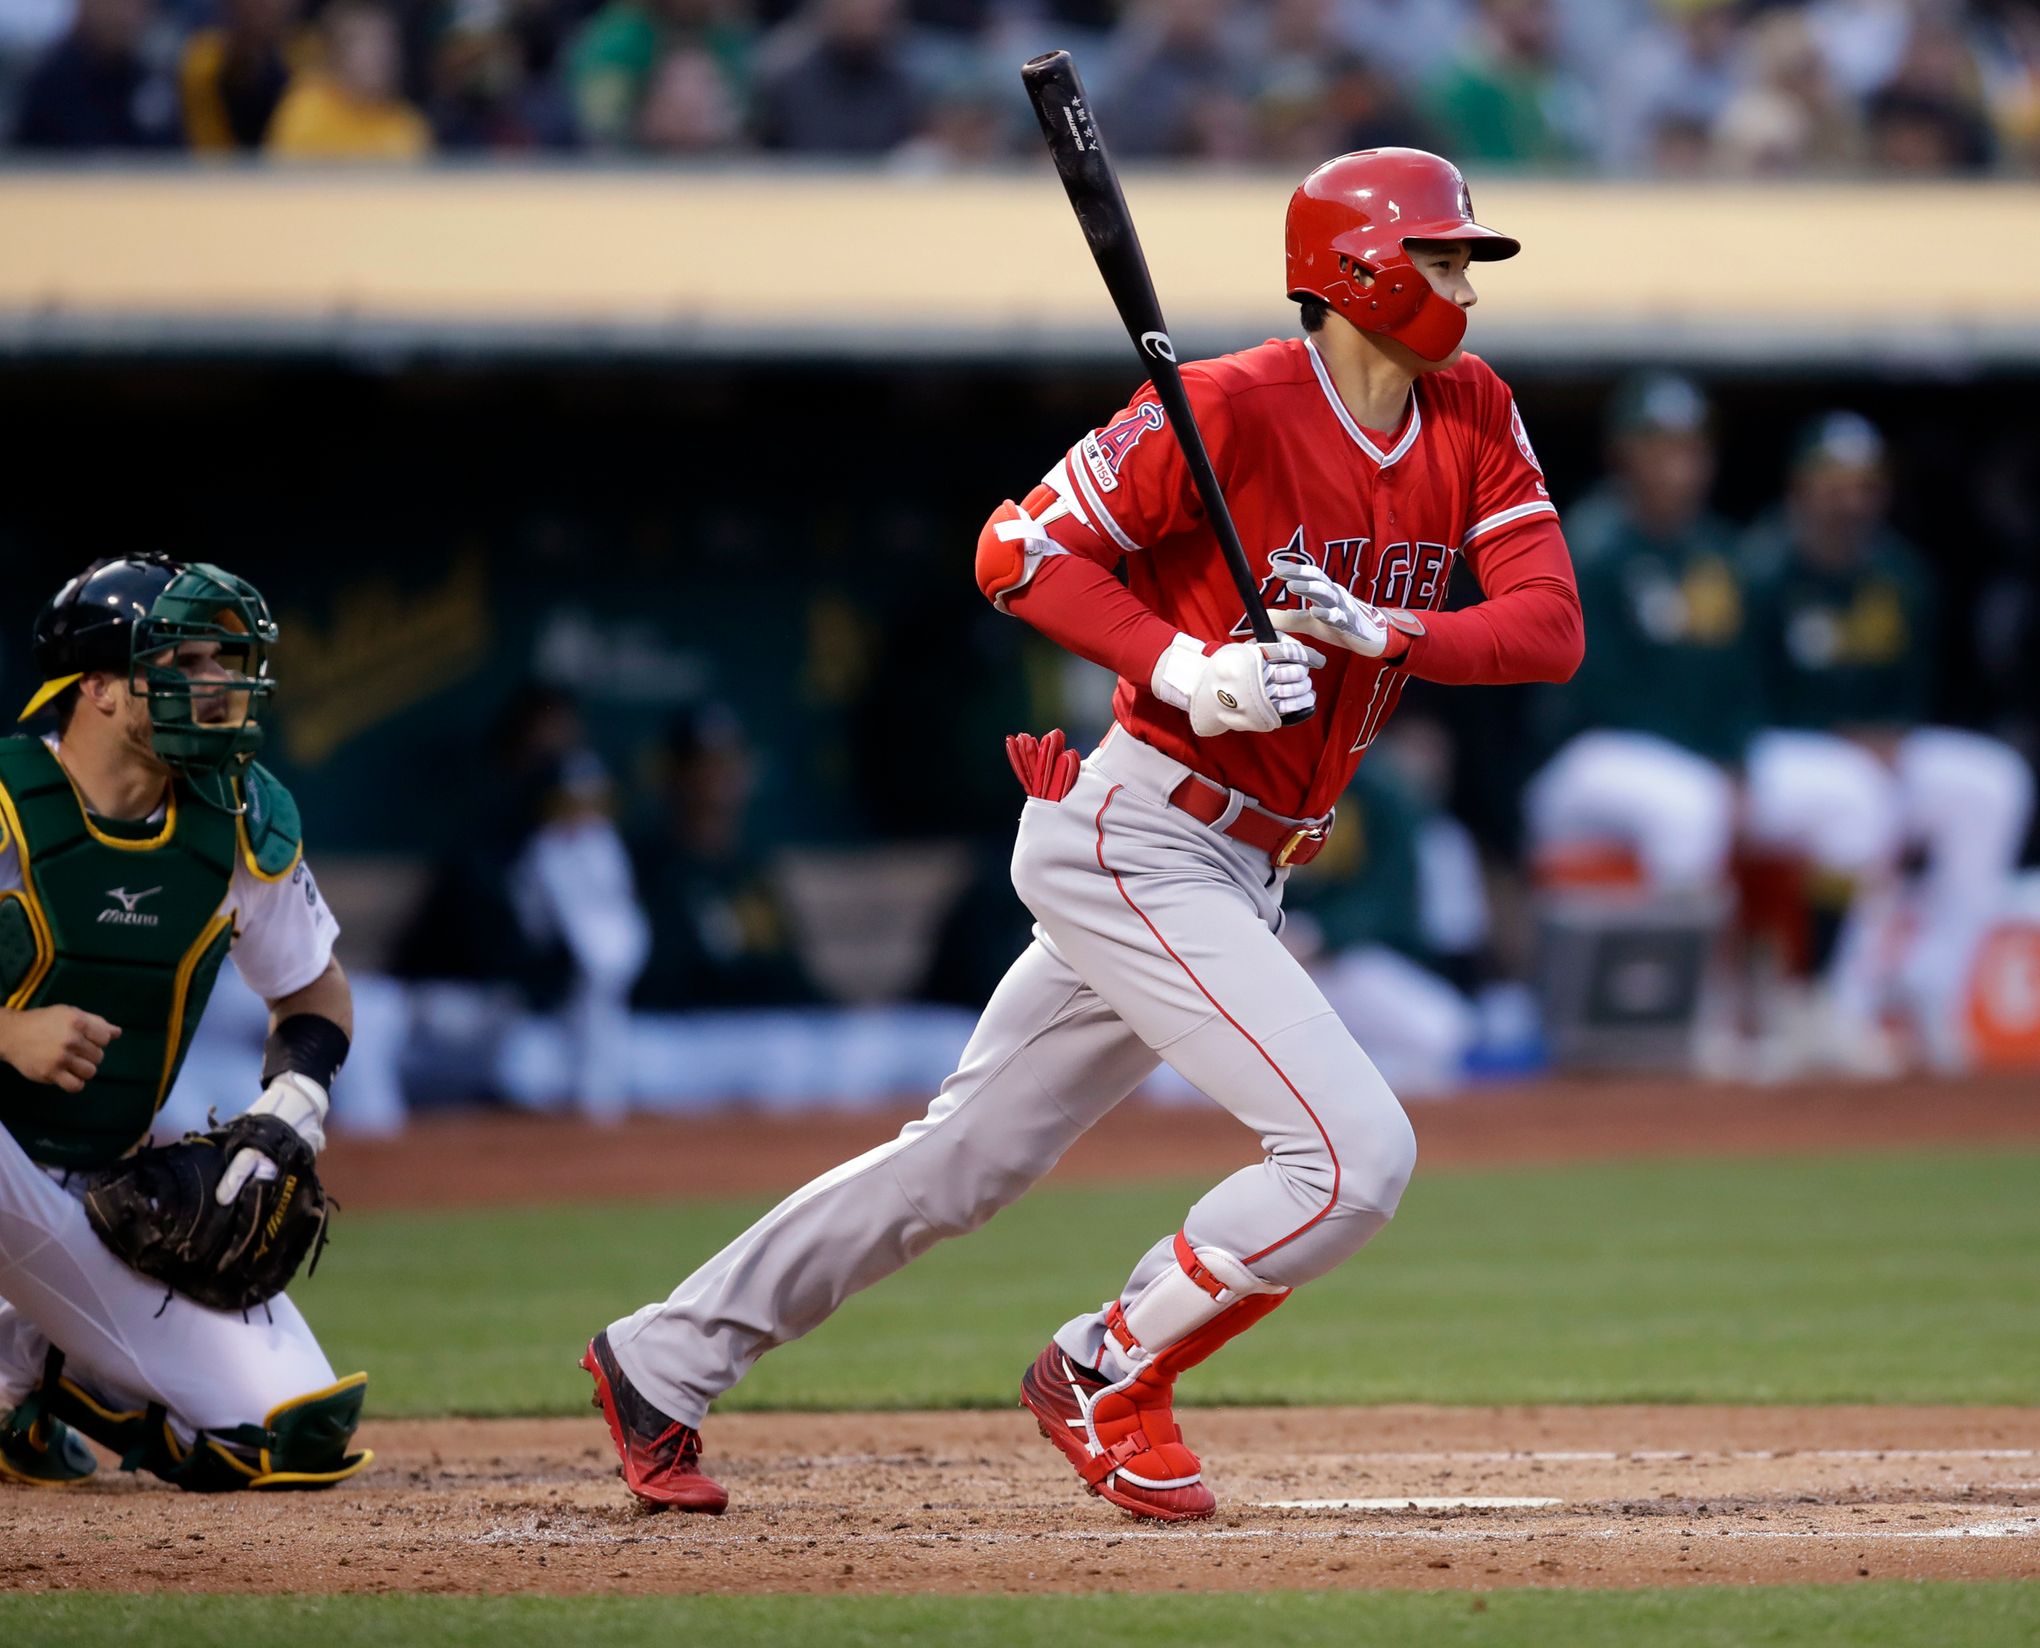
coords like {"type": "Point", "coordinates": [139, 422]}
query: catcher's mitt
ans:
{"type": "Point", "coordinates": [156, 1210]}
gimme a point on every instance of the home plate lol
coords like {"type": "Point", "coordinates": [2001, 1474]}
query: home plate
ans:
{"type": "Point", "coordinates": [1455, 1502]}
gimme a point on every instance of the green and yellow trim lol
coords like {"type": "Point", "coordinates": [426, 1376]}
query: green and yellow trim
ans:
{"type": "Point", "coordinates": [96, 1408]}
{"type": "Point", "coordinates": [248, 848]}
{"type": "Point", "coordinates": [248, 855]}
{"type": "Point", "coordinates": [353, 1381]}
{"type": "Point", "coordinates": [144, 844]}
{"type": "Point", "coordinates": [174, 1038]}
{"type": "Point", "coordinates": [352, 1465]}
{"type": "Point", "coordinates": [38, 923]}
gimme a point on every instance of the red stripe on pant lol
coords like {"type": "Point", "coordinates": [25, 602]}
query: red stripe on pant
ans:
{"type": "Point", "coordinates": [1333, 1200]}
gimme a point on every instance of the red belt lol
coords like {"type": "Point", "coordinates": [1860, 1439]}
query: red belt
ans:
{"type": "Point", "coordinates": [1284, 840]}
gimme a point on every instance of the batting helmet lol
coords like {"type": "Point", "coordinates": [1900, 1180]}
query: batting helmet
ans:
{"type": "Point", "coordinates": [1351, 218]}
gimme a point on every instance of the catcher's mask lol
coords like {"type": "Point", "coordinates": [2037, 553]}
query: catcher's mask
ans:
{"type": "Point", "coordinates": [130, 614]}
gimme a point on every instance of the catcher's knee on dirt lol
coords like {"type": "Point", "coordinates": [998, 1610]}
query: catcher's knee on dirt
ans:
{"type": "Point", "coordinates": [302, 1442]}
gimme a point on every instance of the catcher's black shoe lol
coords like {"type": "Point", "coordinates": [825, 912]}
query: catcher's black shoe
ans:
{"type": "Point", "coordinates": [45, 1454]}
{"type": "Point", "coordinates": [661, 1457]}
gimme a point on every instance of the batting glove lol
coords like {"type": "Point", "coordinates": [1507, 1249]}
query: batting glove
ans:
{"type": "Point", "coordinates": [1245, 686]}
{"type": "Point", "coordinates": [292, 1097]}
{"type": "Point", "coordinates": [1334, 615]}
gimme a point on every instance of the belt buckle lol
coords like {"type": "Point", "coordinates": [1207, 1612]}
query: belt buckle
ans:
{"type": "Point", "coordinates": [1309, 832]}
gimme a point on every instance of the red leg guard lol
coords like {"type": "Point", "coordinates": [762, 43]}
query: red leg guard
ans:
{"type": "Point", "coordinates": [1124, 1439]}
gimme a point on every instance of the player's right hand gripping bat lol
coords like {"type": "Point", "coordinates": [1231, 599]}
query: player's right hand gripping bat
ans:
{"type": "Point", "coordinates": [1095, 195]}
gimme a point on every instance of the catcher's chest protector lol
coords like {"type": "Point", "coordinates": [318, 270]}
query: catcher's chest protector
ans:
{"type": "Point", "coordinates": [123, 920]}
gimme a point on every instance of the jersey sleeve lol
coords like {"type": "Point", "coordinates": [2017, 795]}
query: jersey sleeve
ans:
{"type": "Point", "coordinates": [1508, 481]}
{"type": "Point", "coordinates": [284, 931]}
{"type": "Point", "coordinates": [1125, 488]}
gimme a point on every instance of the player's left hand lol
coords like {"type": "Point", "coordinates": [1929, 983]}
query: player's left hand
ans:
{"type": "Point", "coordinates": [1336, 616]}
{"type": "Point", "coordinates": [293, 1098]}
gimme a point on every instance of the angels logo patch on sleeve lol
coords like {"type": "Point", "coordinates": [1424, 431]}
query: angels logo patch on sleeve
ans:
{"type": "Point", "coordinates": [1104, 450]}
{"type": "Point", "coordinates": [1522, 437]}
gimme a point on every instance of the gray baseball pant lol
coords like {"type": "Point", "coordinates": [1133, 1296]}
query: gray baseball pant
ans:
{"type": "Point", "coordinates": [1155, 938]}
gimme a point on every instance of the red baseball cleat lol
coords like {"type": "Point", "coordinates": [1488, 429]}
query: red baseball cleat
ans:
{"type": "Point", "coordinates": [1123, 1439]}
{"type": "Point", "coordinates": [661, 1457]}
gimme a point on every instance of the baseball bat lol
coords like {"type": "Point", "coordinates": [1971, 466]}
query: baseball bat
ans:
{"type": "Point", "coordinates": [1095, 196]}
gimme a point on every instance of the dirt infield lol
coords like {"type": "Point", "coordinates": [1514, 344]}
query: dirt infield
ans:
{"type": "Point", "coordinates": [518, 1158]}
{"type": "Point", "coordinates": [977, 1502]}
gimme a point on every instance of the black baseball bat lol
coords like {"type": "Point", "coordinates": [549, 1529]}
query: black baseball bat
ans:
{"type": "Point", "coordinates": [1071, 129]}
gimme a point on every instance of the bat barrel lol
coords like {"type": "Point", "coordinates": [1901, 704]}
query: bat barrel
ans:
{"type": "Point", "coordinates": [1067, 124]}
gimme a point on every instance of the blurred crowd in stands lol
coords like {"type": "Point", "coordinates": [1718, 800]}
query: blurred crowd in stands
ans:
{"type": "Point", "coordinates": [1671, 88]}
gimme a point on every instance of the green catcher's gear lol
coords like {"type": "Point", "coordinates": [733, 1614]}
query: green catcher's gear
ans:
{"type": "Point", "coordinates": [300, 1443]}
{"type": "Point", "coordinates": [39, 1451]}
{"type": "Point", "coordinates": [124, 614]}
{"type": "Point", "coordinates": [156, 1210]}
{"type": "Point", "coordinates": [126, 921]}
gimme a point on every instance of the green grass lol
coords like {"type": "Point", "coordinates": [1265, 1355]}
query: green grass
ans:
{"type": "Point", "coordinates": [1874, 1615]}
{"type": "Point", "coordinates": [1879, 1279]}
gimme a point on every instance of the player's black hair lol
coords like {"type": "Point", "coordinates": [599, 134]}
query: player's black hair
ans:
{"type": "Point", "coordinates": [1314, 311]}
{"type": "Point", "coordinates": [63, 707]}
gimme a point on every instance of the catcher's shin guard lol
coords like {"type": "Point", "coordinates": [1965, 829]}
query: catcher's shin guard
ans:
{"type": "Point", "coordinates": [1122, 1435]}
{"type": "Point", "coordinates": [37, 1449]}
{"type": "Point", "coordinates": [301, 1442]}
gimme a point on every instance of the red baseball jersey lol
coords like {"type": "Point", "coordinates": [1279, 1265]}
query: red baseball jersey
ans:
{"type": "Point", "coordinates": [1386, 514]}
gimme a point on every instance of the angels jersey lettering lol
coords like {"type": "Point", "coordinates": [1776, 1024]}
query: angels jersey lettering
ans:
{"type": "Point", "coordinates": [1388, 515]}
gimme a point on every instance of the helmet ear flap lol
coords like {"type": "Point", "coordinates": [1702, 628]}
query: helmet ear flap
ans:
{"type": "Point", "coordinates": [1384, 301]}
{"type": "Point", "coordinates": [1398, 301]}
{"type": "Point", "coordinates": [1437, 328]}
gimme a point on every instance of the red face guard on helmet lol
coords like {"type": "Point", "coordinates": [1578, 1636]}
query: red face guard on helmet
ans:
{"type": "Point", "coordinates": [1351, 218]}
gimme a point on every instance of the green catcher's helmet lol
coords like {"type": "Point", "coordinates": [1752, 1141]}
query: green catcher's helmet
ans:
{"type": "Point", "coordinates": [124, 614]}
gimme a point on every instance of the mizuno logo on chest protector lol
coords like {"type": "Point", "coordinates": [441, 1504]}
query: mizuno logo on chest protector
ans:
{"type": "Point", "coordinates": [127, 915]}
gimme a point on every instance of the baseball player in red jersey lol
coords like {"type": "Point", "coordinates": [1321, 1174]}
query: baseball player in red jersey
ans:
{"type": "Point", "coordinates": [1360, 462]}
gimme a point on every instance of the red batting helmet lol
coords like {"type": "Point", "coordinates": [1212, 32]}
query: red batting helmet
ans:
{"type": "Point", "coordinates": [1350, 218]}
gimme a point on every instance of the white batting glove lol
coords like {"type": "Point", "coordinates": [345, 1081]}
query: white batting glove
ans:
{"type": "Point", "coordinates": [1330, 612]}
{"type": "Point", "coordinates": [294, 1098]}
{"type": "Point", "coordinates": [1245, 686]}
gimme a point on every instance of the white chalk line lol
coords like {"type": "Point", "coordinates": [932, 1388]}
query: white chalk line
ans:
{"type": "Point", "coordinates": [1658, 1456]}
{"type": "Point", "coordinates": [1544, 1456]}
{"type": "Point", "coordinates": [2023, 1527]}
{"type": "Point", "coordinates": [1415, 1502]}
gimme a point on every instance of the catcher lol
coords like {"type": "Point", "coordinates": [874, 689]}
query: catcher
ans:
{"type": "Point", "coordinates": [141, 1300]}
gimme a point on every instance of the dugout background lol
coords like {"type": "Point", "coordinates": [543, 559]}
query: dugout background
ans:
{"type": "Point", "coordinates": [794, 538]}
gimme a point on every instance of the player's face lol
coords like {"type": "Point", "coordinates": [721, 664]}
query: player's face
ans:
{"type": "Point", "coordinates": [1444, 263]}
{"type": "Point", "coordinates": [131, 718]}
{"type": "Point", "coordinates": [1840, 501]}
{"type": "Point", "coordinates": [1668, 472]}
{"type": "Point", "coordinates": [200, 663]}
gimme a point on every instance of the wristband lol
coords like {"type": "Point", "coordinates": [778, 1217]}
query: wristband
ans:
{"type": "Point", "coordinates": [1178, 670]}
{"type": "Point", "coordinates": [308, 1043]}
